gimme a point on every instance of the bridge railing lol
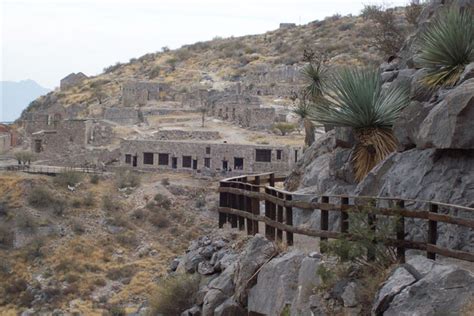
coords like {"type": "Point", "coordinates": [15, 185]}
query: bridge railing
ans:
{"type": "Point", "coordinates": [240, 198]}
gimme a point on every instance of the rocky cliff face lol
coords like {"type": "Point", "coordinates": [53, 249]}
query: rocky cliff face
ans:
{"type": "Point", "coordinates": [435, 160]}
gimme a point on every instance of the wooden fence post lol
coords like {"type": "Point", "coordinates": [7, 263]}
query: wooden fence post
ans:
{"type": "Point", "coordinates": [432, 231]}
{"type": "Point", "coordinates": [248, 208]}
{"type": "Point", "coordinates": [256, 204]}
{"type": "Point", "coordinates": [324, 222]}
{"type": "Point", "coordinates": [232, 204]}
{"type": "Point", "coordinates": [401, 233]}
{"type": "Point", "coordinates": [241, 204]}
{"type": "Point", "coordinates": [270, 213]}
{"type": "Point", "coordinates": [222, 203]}
{"type": "Point", "coordinates": [289, 220]}
{"type": "Point", "coordinates": [279, 215]}
{"type": "Point", "coordinates": [344, 216]}
{"type": "Point", "coordinates": [271, 181]}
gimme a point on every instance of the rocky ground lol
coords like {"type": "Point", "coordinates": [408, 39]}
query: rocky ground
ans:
{"type": "Point", "coordinates": [106, 247]}
{"type": "Point", "coordinates": [240, 274]}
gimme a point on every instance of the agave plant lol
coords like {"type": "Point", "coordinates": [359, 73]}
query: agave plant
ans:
{"type": "Point", "coordinates": [447, 46]}
{"type": "Point", "coordinates": [356, 99]}
{"type": "Point", "coordinates": [302, 110]}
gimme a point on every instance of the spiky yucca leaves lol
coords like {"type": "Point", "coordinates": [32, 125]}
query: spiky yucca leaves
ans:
{"type": "Point", "coordinates": [447, 46]}
{"type": "Point", "coordinates": [356, 99]}
{"type": "Point", "coordinates": [315, 75]}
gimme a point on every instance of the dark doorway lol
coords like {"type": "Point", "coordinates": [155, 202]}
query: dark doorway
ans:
{"type": "Point", "coordinates": [224, 165]}
{"type": "Point", "coordinates": [135, 159]}
{"type": "Point", "coordinates": [296, 155]}
{"type": "Point", "coordinates": [238, 163]}
{"type": "Point", "coordinates": [195, 164]}
{"type": "Point", "coordinates": [38, 145]}
{"type": "Point", "coordinates": [174, 162]}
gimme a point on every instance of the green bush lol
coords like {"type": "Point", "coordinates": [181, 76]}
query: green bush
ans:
{"type": "Point", "coordinates": [162, 201]}
{"type": "Point", "coordinates": [66, 178]}
{"type": "Point", "coordinates": [58, 206]}
{"type": "Point", "coordinates": [6, 235]}
{"type": "Point", "coordinates": [165, 181]}
{"type": "Point", "coordinates": [110, 203]}
{"type": "Point", "coordinates": [95, 178]}
{"type": "Point", "coordinates": [127, 179]}
{"type": "Point", "coordinates": [159, 220]}
{"type": "Point", "coordinates": [40, 197]}
{"type": "Point", "coordinates": [174, 295]}
{"type": "Point", "coordinates": [284, 128]}
{"type": "Point", "coordinates": [88, 200]}
{"type": "Point", "coordinates": [26, 221]}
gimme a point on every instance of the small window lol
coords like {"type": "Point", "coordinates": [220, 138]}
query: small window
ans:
{"type": "Point", "coordinates": [163, 159]}
{"type": "Point", "coordinates": [187, 161]}
{"type": "Point", "coordinates": [278, 154]}
{"type": "Point", "coordinates": [38, 145]}
{"type": "Point", "coordinates": [147, 158]}
{"type": "Point", "coordinates": [263, 155]}
{"type": "Point", "coordinates": [238, 163]}
{"type": "Point", "coordinates": [208, 150]}
{"type": "Point", "coordinates": [128, 159]}
{"type": "Point", "coordinates": [207, 162]}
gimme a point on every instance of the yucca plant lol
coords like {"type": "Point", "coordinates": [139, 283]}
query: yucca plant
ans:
{"type": "Point", "coordinates": [302, 111]}
{"type": "Point", "coordinates": [315, 75]}
{"type": "Point", "coordinates": [447, 46]}
{"type": "Point", "coordinates": [356, 99]}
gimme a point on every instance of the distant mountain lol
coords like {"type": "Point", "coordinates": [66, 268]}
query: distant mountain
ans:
{"type": "Point", "coordinates": [15, 97]}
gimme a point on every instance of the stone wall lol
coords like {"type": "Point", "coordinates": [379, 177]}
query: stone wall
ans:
{"type": "Point", "coordinates": [260, 118]}
{"type": "Point", "coordinates": [72, 80]}
{"type": "Point", "coordinates": [99, 133]}
{"type": "Point", "coordinates": [5, 142]}
{"type": "Point", "coordinates": [140, 92]}
{"type": "Point", "coordinates": [218, 153]}
{"type": "Point", "coordinates": [177, 134]}
{"type": "Point", "coordinates": [122, 115]}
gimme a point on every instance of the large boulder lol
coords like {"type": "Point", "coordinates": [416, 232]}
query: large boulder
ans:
{"type": "Point", "coordinates": [276, 285]}
{"type": "Point", "coordinates": [219, 290]}
{"type": "Point", "coordinates": [258, 251]}
{"type": "Point", "coordinates": [449, 125]}
{"type": "Point", "coordinates": [431, 175]}
{"type": "Point", "coordinates": [407, 125]}
{"type": "Point", "coordinates": [432, 289]}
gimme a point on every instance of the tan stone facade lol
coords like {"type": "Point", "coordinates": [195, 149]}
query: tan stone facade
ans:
{"type": "Point", "coordinates": [211, 156]}
{"type": "Point", "coordinates": [140, 92]}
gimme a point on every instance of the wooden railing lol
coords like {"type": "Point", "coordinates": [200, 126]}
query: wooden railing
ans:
{"type": "Point", "coordinates": [51, 170]}
{"type": "Point", "coordinates": [239, 205]}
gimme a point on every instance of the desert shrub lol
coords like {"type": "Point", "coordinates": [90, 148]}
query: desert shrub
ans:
{"type": "Point", "coordinates": [35, 249]}
{"type": "Point", "coordinates": [77, 227]}
{"type": "Point", "coordinates": [68, 178]}
{"type": "Point", "coordinates": [6, 235]}
{"type": "Point", "coordinates": [174, 295]}
{"type": "Point", "coordinates": [110, 203]}
{"type": "Point", "coordinates": [94, 179]}
{"type": "Point", "coordinates": [116, 310]}
{"type": "Point", "coordinates": [88, 199]}
{"type": "Point", "coordinates": [100, 281]}
{"type": "Point", "coordinates": [162, 201]}
{"type": "Point", "coordinates": [284, 128]}
{"type": "Point", "coordinates": [58, 206]}
{"type": "Point", "coordinates": [123, 272]}
{"type": "Point", "coordinates": [165, 181]}
{"type": "Point", "coordinates": [140, 214]}
{"type": "Point", "coordinates": [346, 26]}
{"type": "Point", "coordinates": [117, 220]}
{"type": "Point", "coordinates": [364, 244]}
{"type": "Point", "coordinates": [200, 201]}
{"type": "Point", "coordinates": [446, 46]}
{"type": "Point", "coordinates": [112, 68]}
{"type": "Point", "coordinates": [386, 34]}
{"type": "Point", "coordinates": [16, 286]}
{"type": "Point", "coordinates": [40, 197]}
{"type": "Point", "coordinates": [5, 267]}
{"type": "Point", "coordinates": [155, 72]}
{"type": "Point", "coordinates": [25, 220]}
{"type": "Point", "coordinates": [76, 203]}
{"type": "Point", "coordinates": [412, 12]}
{"type": "Point", "coordinates": [71, 277]}
{"type": "Point", "coordinates": [128, 239]}
{"type": "Point", "coordinates": [127, 179]}
{"type": "Point", "coordinates": [159, 220]}
{"type": "Point", "coordinates": [4, 208]}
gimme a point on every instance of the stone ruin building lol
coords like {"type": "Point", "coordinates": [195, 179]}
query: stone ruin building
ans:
{"type": "Point", "coordinates": [72, 80]}
{"type": "Point", "coordinates": [206, 156]}
{"type": "Point", "coordinates": [7, 138]}
{"type": "Point", "coordinates": [242, 109]}
{"type": "Point", "coordinates": [126, 116]}
{"type": "Point", "coordinates": [141, 92]}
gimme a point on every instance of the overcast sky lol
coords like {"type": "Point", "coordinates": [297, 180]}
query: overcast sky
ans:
{"type": "Point", "coordinates": [45, 40]}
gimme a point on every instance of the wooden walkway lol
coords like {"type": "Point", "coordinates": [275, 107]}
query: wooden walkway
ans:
{"type": "Point", "coordinates": [239, 205]}
{"type": "Point", "coordinates": [49, 170]}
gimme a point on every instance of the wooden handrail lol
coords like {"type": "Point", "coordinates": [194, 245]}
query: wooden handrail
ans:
{"type": "Point", "coordinates": [240, 198]}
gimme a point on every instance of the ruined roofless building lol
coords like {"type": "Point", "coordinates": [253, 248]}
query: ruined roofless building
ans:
{"type": "Point", "coordinates": [72, 80]}
{"type": "Point", "coordinates": [140, 92]}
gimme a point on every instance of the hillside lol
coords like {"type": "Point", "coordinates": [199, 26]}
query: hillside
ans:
{"type": "Point", "coordinates": [269, 60]}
